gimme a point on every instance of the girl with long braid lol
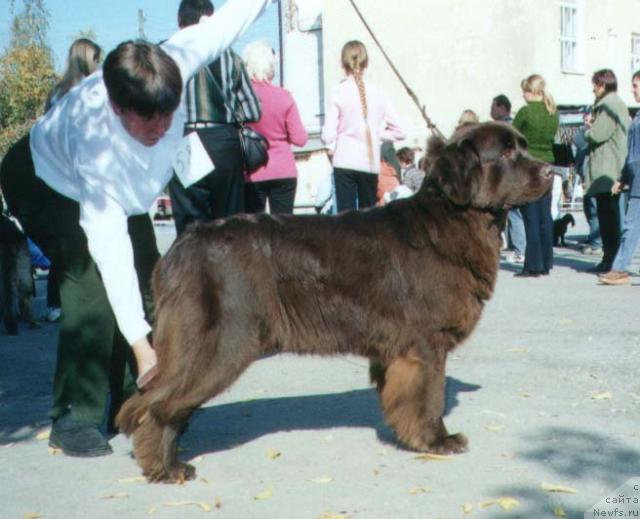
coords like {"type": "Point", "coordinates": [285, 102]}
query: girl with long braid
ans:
{"type": "Point", "coordinates": [359, 118]}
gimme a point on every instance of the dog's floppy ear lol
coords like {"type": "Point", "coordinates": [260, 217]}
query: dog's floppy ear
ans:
{"type": "Point", "coordinates": [457, 171]}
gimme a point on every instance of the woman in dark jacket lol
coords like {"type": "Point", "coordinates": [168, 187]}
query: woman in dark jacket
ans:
{"type": "Point", "coordinates": [619, 274]}
{"type": "Point", "coordinates": [538, 122]}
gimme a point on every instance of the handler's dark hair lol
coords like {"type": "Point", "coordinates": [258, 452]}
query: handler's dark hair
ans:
{"type": "Point", "coordinates": [406, 155]}
{"type": "Point", "coordinates": [190, 11]}
{"type": "Point", "coordinates": [503, 100]}
{"type": "Point", "coordinates": [606, 78]}
{"type": "Point", "coordinates": [143, 78]}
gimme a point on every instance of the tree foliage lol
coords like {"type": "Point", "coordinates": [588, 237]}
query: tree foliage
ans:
{"type": "Point", "coordinates": [26, 72]}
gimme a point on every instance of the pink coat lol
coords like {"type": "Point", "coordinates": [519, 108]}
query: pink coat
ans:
{"type": "Point", "coordinates": [344, 131]}
{"type": "Point", "coordinates": [281, 125]}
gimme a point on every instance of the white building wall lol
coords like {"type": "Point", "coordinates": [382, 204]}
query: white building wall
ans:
{"type": "Point", "coordinates": [458, 54]}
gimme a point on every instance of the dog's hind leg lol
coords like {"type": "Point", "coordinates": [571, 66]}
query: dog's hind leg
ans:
{"type": "Point", "coordinates": [157, 417]}
{"type": "Point", "coordinates": [155, 448]}
{"type": "Point", "coordinates": [412, 398]}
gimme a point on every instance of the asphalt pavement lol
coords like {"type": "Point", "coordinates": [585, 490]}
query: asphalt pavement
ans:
{"type": "Point", "coordinates": [546, 389]}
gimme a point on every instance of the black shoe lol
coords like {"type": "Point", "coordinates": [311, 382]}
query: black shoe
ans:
{"type": "Point", "coordinates": [527, 274]}
{"type": "Point", "coordinates": [599, 268]}
{"type": "Point", "coordinates": [81, 439]}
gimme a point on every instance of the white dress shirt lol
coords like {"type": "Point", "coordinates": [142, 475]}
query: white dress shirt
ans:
{"type": "Point", "coordinates": [82, 151]}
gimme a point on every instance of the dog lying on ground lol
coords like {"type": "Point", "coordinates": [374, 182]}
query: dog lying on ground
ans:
{"type": "Point", "coordinates": [560, 227]}
{"type": "Point", "coordinates": [16, 279]}
{"type": "Point", "coordinates": [401, 284]}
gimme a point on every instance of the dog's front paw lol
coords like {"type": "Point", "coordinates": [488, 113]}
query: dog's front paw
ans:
{"type": "Point", "coordinates": [179, 473]}
{"type": "Point", "coordinates": [452, 444]}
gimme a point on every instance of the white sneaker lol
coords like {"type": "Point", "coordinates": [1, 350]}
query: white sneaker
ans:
{"type": "Point", "coordinates": [54, 314]}
{"type": "Point", "coordinates": [517, 258]}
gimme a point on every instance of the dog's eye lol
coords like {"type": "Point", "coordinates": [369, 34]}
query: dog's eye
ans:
{"type": "Point", "coordinates": [508, 154]}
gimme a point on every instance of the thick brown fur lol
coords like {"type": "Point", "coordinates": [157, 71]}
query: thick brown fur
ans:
{"type": "Point", "coordinates": [401, 284]}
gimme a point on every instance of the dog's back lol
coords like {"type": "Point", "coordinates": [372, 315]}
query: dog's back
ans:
{"type": "Point", "coordinates": [16, 281]}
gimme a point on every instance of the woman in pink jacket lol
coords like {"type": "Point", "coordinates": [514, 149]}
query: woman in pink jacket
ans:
{"type": "Point", "coordinates": [281, 125]}
{"type": "Point", "coordinates": [359, 118]}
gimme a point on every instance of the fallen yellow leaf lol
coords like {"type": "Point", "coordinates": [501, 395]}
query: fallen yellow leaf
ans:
{"type": "Point", "coordinates": [558, 511]}
{"type": "Point", "coordinates": [53, 451]}
{"type": "Point", "coordinates": [550, 487]}
{"type": "Point", "coordinates": [518, 350]}
{"type": "Point", "coordinates": [135, 479]}
{"type": "Point", "coordinates": [506, 503]}
{"type": "Point", "coordinates": [116, 495]}
{"type": "Point", "coordinates": [466, 508]}
{"type": "Point", "coordinates": [206, 507]}
{"type": "Point", "coordinates": [151, 510]}
{"type": "Point", "coordinates": [43, 435]}
{"type": "Point", "coordinates": [273, 453]}
{"type": "Point", "coordinates": [32, 515]}
{"type": "Point", "coordinates": [495, 428]}
{"type": "Point", "coordinates": [566, 321]}
{"type": "Point", "coordinates": [428, 456]}
{"type": "Point", "coordinates": [331, 515]}
{"type": "Point", "coordinates": [602, 396]}
{"type": "Point", "coordinates": [419, 490]}
{"type": "Point", "coordinates": [218, 503]}
{"type": "Point", "coordinates": [267, 494]}
{"type": "Point", "coordinates": [205, 481]}
{"type": "Point", "coordinates": [322, 480]}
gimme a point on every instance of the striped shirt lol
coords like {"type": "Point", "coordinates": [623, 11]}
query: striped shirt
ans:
{"type": "Point", "coordinates": [203, 99]}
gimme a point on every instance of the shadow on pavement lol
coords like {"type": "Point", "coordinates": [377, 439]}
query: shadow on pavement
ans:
{"type": "Point", "coordinates": [26, 374]}
{"type": "Point", "coordinates": [225, 426]}
{"type": "Point", "coordinates": [574, 458]}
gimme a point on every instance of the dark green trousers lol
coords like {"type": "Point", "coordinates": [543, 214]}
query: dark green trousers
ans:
{"type": "Point", "coordinates": [94, 362]}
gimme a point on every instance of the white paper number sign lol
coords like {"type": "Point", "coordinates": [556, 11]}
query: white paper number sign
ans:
{"type": "Point", "coordinates": [191, 161]}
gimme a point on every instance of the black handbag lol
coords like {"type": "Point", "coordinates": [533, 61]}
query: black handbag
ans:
{"type": "Point", "coordinates": [255, 146]}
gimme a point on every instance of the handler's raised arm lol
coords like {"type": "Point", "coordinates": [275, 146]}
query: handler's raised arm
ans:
{"type": "Point", "coordinates": [199, 44]}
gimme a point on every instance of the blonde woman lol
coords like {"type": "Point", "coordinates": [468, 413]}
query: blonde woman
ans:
{"type": "Point", "coordinates": [82, 61]}
{"type": "Point", "coordinates": [468, 117]}
{"type": "Point", "coordinates": [538, 122]}
{"type": "Point", "coordinates": [359, 118]}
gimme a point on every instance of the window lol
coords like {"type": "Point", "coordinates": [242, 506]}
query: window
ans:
{"type": "Point", "coordinates": [635, 53]}
{"type": "Point", "coordinates": [570, 25]}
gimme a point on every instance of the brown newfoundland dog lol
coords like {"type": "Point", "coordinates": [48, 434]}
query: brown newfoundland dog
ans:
{"type": "Point", "coordinates": [401, 284]}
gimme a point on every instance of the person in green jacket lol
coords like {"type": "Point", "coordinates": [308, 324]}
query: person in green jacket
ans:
{"type": "Point", "coordinates": [607, 141]}
{"type": "Point", "coordinates": [538, 122]}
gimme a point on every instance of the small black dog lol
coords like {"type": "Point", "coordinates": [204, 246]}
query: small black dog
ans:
{"type": "Point", "coordinates": [560, 227]}
{"type": "Point", "coordinates": [16, 279]}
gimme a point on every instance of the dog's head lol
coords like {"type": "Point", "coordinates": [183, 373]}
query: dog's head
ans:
{"type": "Point", "coordinates": [487, 166]}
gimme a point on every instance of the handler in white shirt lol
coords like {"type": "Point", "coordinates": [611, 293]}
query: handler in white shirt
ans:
{"type": "Point", "coordinates": [102, 155]}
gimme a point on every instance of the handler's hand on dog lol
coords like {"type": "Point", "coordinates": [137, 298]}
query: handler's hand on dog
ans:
{"type": "Point", "coordinates": [146, 360]}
